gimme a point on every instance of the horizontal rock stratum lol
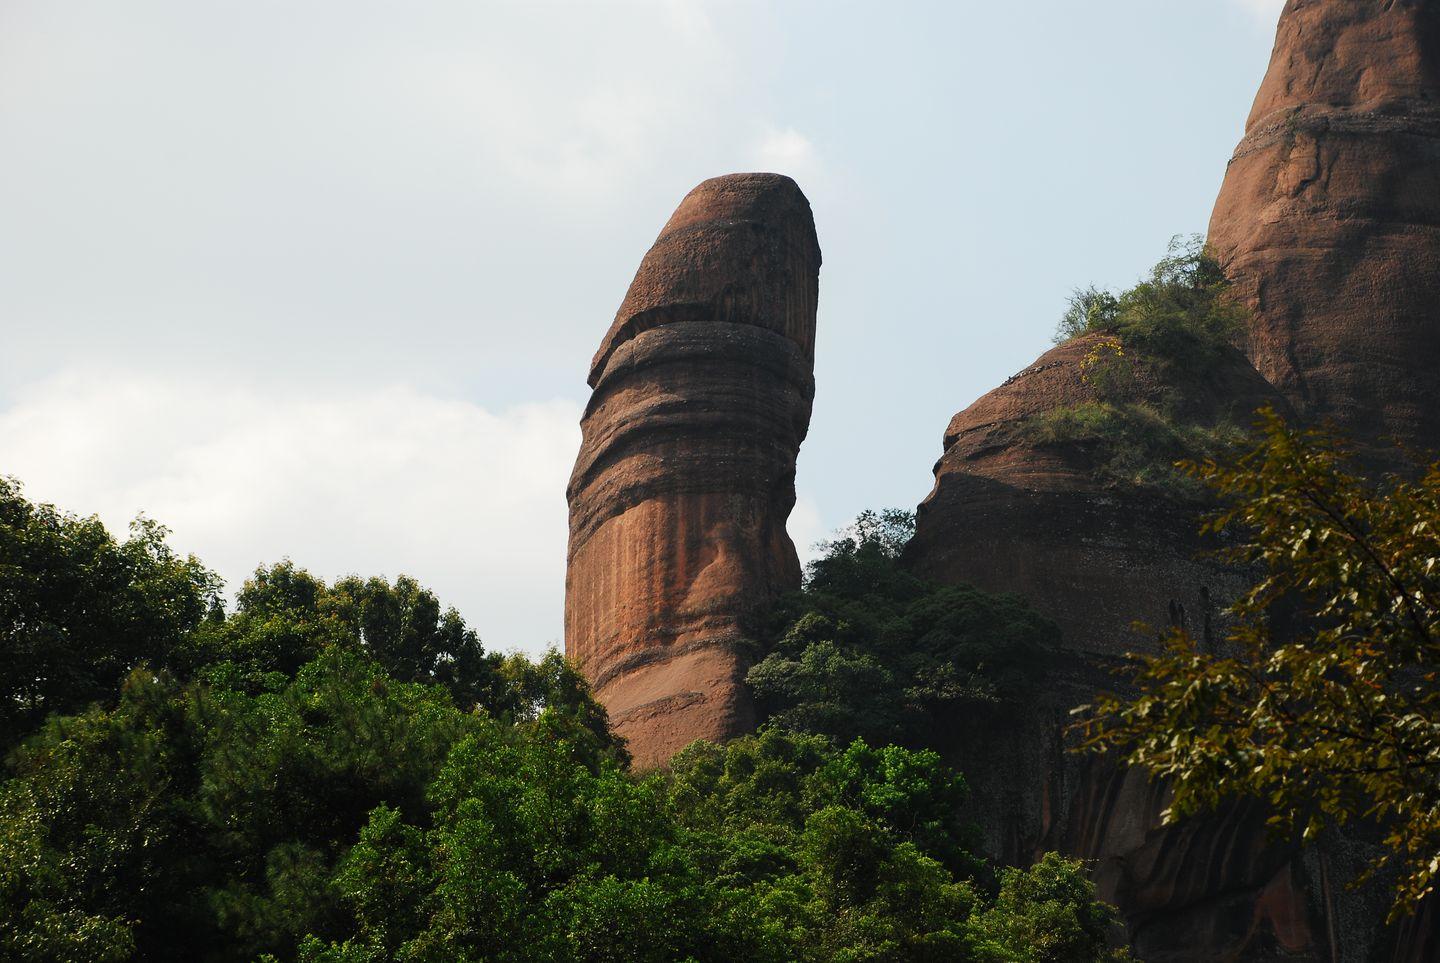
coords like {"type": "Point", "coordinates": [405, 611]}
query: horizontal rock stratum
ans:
{"type": "Point", "coordinates": [1329, 217]}
{"type": "Point", "coordinates": [686, 472]}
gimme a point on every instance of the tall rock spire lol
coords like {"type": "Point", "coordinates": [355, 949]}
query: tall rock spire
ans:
{"type": "Point", "coordinates": [1329, 217]}
{"type": "Point", "coordinates": [686, 474]}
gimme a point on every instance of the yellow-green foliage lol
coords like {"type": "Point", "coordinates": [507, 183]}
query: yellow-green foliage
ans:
{"type": "Point", "coordinates": [1339, 718]}
{"type": "Point", "coordinates": [1176, 324]}
{"type": "Point", "coordinates": [1182, 312]}
{"type": "Point", "coordinates": [1137, 444]}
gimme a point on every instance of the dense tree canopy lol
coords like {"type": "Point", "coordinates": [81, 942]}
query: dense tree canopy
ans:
{"type": "Point", "coordinates": [869, 650]}
{"type": "Point", "coordinates": [195, 821]}
{"type": "Point", "coordinates": [342, 773]}
{"type": "Point", "coordinates": [79, 609]}
{"type": "Point", "coordinates": [350, 816]}
{"type": "Point", "coordinates": [1331, 713]}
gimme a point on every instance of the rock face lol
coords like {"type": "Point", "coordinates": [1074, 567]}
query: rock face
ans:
{"type": "Point", "coordinates": [1013, 512]}
{"type": "Point", "coordinates": [1016, 509]}
{"type": "Point", "coordinates": [1329, 217]}
{"type": "Point", "coordinates": [685, 477]}
{"type": "Point", "coordinates": [1328, 223]}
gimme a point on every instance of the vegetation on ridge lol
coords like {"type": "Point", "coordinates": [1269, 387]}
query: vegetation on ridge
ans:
{"type": "Point", "coordinates": [1135, 444]}
{"type": "Point", "coordinates": [1178, 323]}
{"type": "Point", "coordinates": [1182, 312]}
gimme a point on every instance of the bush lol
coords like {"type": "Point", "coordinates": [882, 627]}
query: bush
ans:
{"type": "Point", "coordinates": [868, 650]}
{"type": "Point", "coordinates": [1136, 444]}
{"type": "Point", "coordinates": [1182, 312]}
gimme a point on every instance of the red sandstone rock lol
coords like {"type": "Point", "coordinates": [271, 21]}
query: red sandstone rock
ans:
{"type": "Point", "coordinates": [678, 500]}
{"type": "Point", "coordinates": [1329, 224]}
{"type": "Point", "coordinates": [1329, 217]}
{"type": "Point", "coordinates": [1012, 513]}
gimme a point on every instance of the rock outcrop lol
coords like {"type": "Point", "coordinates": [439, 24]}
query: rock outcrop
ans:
{"type": "Point", "coordinates": [1015, 509]}
{"type": "Point", "coordinates": [1329, 217]}
{"type": "Point", "coordinates": [1328, 224]}
{"type": "Point", "coordinates": [685, 477]}
{"type": "Point", "coordinates": [1019, 506]}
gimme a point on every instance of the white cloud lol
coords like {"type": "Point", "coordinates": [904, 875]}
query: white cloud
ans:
{"type": "Point", "coordinates": [785, 150]}
{"type": "Point", "coordinates": [1265, 12]}
{"type": "Point", "coordinates": [373, 482]}
{"type": "Point", "coordinates": [806, 528]}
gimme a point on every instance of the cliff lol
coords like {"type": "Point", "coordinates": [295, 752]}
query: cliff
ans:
{"type": "Point", "coordinates": [1328, 226]}
{"type": "Point", "coordinates": [1037, 494]}
{"type": "Point", "coordinates": [1025, 503]}
{"type": "Point", "coordinates": [685, 476]}
{"type": "Point", "coordinates": [1329, 217]}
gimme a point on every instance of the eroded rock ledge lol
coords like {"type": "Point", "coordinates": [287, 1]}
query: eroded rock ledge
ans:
{"type": "Point", "coordinates": [686, 475]}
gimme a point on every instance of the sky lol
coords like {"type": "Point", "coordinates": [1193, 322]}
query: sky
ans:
{"type": "Point", "coordinates": [320, 279]}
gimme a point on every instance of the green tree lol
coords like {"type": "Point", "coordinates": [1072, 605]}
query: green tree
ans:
{"type": "Point", "coordinates": [1324, 703]}
{"type": "Point", "coordinates": [192, 821]}
{"type": "Point", "coordinates": [869, 650]}
{"type": "Point", "coordinates": [350, 816]}
{"type": "Point", "coordinates": [1182, 311]}
{"type": "Point", "coordinates": [860, 853]}
{"type": "Point", "coordinates": [285, 616]}
{"type": "Point", "coordinates": [1047, 912]}
{"type": "Point", "coordinates": [79, 609]}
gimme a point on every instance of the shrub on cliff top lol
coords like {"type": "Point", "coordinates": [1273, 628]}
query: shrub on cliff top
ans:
{"type": "Point", "coordinates": [1181, 313]}
{"type": "Point", "coordinates": [1137, 444]}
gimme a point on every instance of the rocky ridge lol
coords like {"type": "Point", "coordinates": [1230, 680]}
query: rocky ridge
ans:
{"type": "Point", "coordinates": [1327, 227]}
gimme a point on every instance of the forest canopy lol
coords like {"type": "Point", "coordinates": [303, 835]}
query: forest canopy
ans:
{"type": "Point", "coordinates": [342, 772]}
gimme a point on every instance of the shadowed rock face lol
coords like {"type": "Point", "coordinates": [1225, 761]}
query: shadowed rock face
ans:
{"type": "Point", "coordinates": [1012, 513]}
{"type": "Point", "coordinates": [1329, 217]}
{"type": "Point", "coordinates": [685, 477]}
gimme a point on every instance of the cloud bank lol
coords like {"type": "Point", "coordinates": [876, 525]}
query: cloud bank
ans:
{"type": "Point", "coordinates": [366, 481]}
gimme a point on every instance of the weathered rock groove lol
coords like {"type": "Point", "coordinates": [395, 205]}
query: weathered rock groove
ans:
{"type": "Point", "coordinates": [686, 472]}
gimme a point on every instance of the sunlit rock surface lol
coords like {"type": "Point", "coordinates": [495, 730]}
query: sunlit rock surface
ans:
{"type": "Point", "coordinates": [1329, 217]}
{"type": "Point", "coordinates": [686, 475]}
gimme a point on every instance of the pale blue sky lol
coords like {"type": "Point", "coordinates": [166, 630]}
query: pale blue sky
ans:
{"type": "Point", "coordinates": [321, 279]}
